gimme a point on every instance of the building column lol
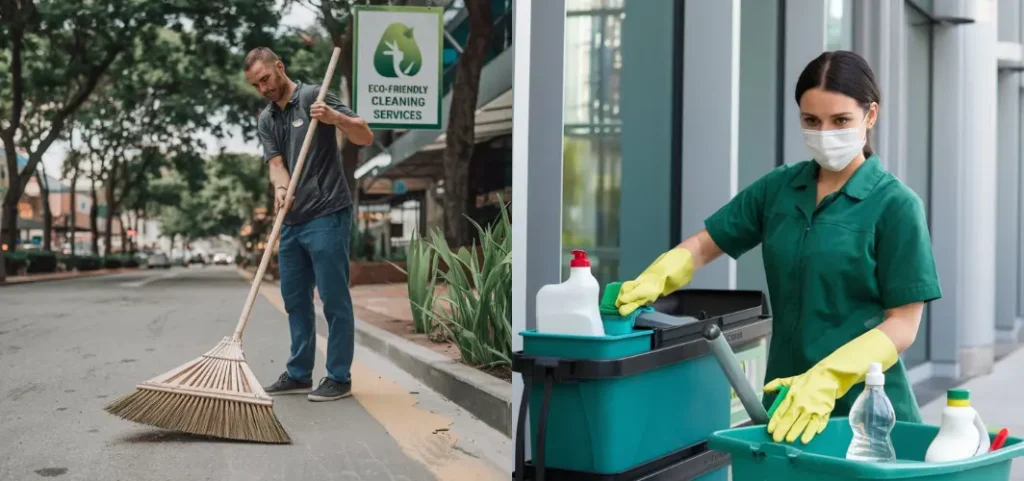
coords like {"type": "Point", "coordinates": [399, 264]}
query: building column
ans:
{"type": "Point", "coordinates": [806, 38]}
{"type": "Point", "coordinates": [964, 172]}
{"type": "Point", "coordinates": [1008, 226]}
{"type": "Point", "coordinates": [536, 166]}
{"type": "Point", "coordinates": [1020, 216]}
{"type": "Point", "coordinates": [650, 133]}
{"type": "Point", "coordinates": [711, 61]}
{"type": "Point", "coordinates": [1020, 202]}
{"type": "Point", "coordinates": [880, 37]}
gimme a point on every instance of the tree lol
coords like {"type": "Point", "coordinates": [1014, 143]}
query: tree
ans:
{"type": "Point", "coordinates": [72, 169]}
{"type": "Point", "coordinates": [56, 54]}
{"type": "Point", "coordinates": [235, 186]}
{"type": "Point", "coordinates": [150, 116]}
{"type": "Point", "coordinates": [461, 133]}
{"type": "Point", "coordinates": [44, 197]}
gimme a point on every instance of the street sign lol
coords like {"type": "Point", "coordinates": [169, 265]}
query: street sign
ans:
{"type": "Point", "coordinates": [399, 187]}
{"type": "Point", "coordinates": [397, 66]}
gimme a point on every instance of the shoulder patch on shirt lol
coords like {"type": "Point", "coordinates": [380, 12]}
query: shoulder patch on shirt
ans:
{"type": "Point", "coordinates": [297, 123]}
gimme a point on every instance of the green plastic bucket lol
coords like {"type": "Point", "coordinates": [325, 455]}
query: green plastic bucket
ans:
{"type": "Point", "coordinates": [756, 458]}
{"type": "Point", "coordinates": [608, 426]}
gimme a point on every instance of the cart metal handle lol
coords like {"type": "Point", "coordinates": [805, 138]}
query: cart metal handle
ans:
{"type": "Point", "coordinates": [731, 366]}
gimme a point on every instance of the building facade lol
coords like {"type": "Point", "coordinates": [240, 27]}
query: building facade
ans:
{"type": "Point", "coordinates": [671, 107]}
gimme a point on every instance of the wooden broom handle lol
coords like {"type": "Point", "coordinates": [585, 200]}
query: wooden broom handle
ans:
{"type": "Point", "coordinates": [281, 212]}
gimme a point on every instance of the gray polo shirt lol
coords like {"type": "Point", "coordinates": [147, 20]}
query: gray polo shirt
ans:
{"type": "Point", "coordinates": [322, 189]}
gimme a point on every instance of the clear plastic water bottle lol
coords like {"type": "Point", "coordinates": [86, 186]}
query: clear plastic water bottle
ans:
{"type": "Point", "coordinates": [872, 419]}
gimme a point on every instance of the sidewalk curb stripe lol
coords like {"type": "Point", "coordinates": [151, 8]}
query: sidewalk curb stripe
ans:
{"type": "Point", "coordinates": [486, 397]}
{"type": "Point", "coordinates": [75, 275]}
{"type": "Point", "coordinates": [422, 435]}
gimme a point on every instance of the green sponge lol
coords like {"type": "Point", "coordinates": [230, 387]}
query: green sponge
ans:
{"type": "Point", "coordinates": [611, 293]}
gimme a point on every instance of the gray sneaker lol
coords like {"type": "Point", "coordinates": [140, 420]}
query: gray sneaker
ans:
{"type": "Point", "coordinates": [331, 390]}
{"type": "Point", "coordinates": [287, 385]}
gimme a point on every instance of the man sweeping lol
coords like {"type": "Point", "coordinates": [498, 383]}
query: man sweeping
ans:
{"type": "Point", "coordinates": [314, 248]}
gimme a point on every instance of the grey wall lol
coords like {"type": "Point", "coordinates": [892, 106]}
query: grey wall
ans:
{"type": "Point", "coordinates": [648, 133]}
{"type": "Point", "coordinates": [759, 122]}
{"type": "Point", "coordinates": [1009, 20]}
{"type": "Point", "coordinates": [805, 40]}
{"type": "Point", "coordinates": [710, 122]}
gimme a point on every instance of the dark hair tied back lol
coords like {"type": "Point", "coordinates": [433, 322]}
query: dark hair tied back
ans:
{"type": "Point", "coordinates": [842, 72]}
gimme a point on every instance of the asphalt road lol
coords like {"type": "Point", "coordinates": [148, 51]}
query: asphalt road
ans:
{"type": "Point", "coordinates": [67, 348]}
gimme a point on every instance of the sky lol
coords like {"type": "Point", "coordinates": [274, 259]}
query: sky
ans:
{"type": "Point", "coordinates": [296, 16]}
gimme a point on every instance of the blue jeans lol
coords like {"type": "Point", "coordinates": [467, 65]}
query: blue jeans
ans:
{"type": "Point", "coordinates": [316, 253]}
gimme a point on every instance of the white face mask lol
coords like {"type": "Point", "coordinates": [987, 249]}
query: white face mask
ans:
{"type": "Point", "coordinates": [835, 149]}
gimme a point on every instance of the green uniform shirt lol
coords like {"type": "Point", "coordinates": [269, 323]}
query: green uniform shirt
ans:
{"type": "Point", "coordinates": [832, 269]}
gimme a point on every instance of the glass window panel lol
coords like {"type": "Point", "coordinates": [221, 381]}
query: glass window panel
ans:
{"type": "Point", "coordinates": [839, 25]}
{"type": "Point", "coordinates": [592, 156]}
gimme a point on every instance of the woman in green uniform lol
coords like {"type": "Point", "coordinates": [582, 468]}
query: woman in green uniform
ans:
{"type": "Point", "coordinates": [847, 255]}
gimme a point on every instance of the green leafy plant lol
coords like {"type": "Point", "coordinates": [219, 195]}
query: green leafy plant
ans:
{"type": "Point", "coordinates": [478, 314]}
{"type": "Point", "coordinates": [40, 262]}
{"type": "Point", "coordinates": [112, 262]}
{"type": "Point", "coordinates": [85, 263]}
{"type": "Point", "coordinates": [421, 274]}
{"type": "Point", "coordinates": [16, 262]}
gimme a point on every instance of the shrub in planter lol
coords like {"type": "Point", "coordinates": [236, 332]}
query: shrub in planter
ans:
{"type": "Point", "coordinates": [129, 261]}
{"type": "Point", "coordinates": [87, 263]}
{"type": "Point", "coordinates": [479, 312]}
{"type": "Point", "coordinates": [41, 262]}
{"type": "Point", "coordinates": [112, 262]}
{"type": "Point", "coordinates": [15, 263]}
{"type": "Point", "coordinates": [421, 279]}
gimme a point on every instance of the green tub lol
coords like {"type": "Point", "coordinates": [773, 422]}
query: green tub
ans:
{"type": "Point", "coordinates": [608, 426]}
{"type": "Point", "coordinates": [756, 458]}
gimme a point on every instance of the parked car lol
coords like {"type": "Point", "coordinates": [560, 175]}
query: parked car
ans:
{"type": "Point", "coordinates": [195, 258]}
{"type": "Point", "coordinates": [221, 259]}
{"type": "Point", "coordinates": [158, 259]}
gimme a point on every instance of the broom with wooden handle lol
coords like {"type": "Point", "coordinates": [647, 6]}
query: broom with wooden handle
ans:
{"type": "Point", "coordinates": [217, 394]}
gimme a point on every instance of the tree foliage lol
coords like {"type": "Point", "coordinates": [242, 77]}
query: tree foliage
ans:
{"type": "Point", "coordinates": [235, 186]}
{"type": "Point", "coordinates": [55, 54]}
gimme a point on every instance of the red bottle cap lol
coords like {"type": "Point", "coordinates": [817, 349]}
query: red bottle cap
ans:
{"type": "Point", "coordinates": [579, 259]}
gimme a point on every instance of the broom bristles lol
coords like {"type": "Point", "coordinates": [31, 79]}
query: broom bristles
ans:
{"type": "Point", "coordinates": [216, 395]}
{"type": "Point", "coordinates": [201, 415]}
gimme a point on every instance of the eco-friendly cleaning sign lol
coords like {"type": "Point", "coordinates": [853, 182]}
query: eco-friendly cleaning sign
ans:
{"type": "Point", "coordinates": [397, 66]}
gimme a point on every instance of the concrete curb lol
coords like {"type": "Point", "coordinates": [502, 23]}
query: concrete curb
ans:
{"type": "Point", "coordinates": [53, 278]}
{"type": "Point", "coordinates": [482, 395]}
{"type": "Point", "coordinates": [486, 397]}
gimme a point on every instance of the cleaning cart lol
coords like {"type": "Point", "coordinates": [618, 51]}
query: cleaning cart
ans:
{"type": "Point", "coordinates": [652, 404]}
{"type": "Point", "coordinates": [638, 405]}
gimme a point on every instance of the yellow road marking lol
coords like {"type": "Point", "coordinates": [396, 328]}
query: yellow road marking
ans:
{"type": "Point", "coordinates": [414, 429]}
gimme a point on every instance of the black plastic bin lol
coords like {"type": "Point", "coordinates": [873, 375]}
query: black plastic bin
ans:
{"type": "Point", "coordinates": [655, 378]}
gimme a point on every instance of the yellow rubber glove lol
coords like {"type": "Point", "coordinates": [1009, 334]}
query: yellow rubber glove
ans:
{"type": "Point", "coordinates": [667, 274]}
{"type": "Point", "coordinates": [812, 395]}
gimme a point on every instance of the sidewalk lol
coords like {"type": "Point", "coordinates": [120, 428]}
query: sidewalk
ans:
{"type": "Point", "coordinates": [56, 276]}
{"type": "Point", "coordinates": [383, 325]}
{"type": "Point", "coordinates": [997, 397]}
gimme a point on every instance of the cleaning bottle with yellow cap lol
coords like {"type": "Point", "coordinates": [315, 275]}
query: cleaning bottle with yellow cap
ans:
{"type": "Point", "coordinates": [962, 434]}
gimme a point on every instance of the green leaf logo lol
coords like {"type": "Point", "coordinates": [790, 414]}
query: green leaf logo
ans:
{"type": "Point", "coordinates": [397, 55]}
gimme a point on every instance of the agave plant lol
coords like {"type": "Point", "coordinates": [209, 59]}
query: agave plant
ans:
{"type": "Point", "coordinates": [421, 280]}
{"type": "Point", "coordinates": [479, 312]}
